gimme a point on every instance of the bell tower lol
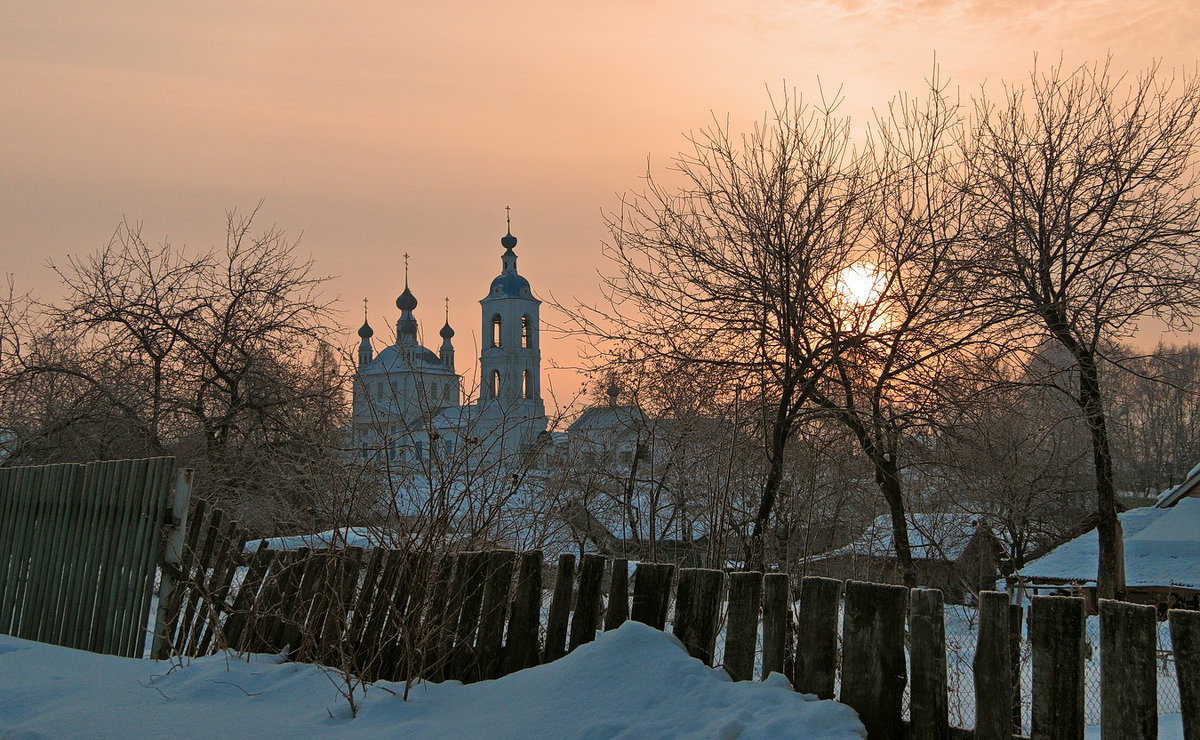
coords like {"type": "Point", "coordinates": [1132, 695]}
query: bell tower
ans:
{"type": "Point", "coordinates": [511, 360]}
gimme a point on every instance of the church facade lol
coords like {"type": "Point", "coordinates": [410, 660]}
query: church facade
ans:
{"type": "Point", "coordinates": [408, 407]}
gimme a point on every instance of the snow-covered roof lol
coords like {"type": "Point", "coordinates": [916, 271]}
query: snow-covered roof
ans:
{"type": "Point", "coordinates": [609, 419]}
{"type": "Point", "coordinates": [1162, 549]}
{"type": "Point", "coordinates": [1172, 496]}
{"type": "Point", "coordinates": [931, 536]}
{"type": "Point", "coordinates": [368, 538]}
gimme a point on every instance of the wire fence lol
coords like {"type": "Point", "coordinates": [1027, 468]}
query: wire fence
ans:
{"type": "Point", "coordinates": [962, 636]}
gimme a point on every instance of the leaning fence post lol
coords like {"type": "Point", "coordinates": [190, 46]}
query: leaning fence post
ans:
{"type": "Point", "coordinates": [587, 602]}
{"type": "Point", "coordinates": [1185, 642]}
{"type": "Point", "coordinates": [873, 669]}
{"type": "Point", "coordinates": [172, 566]}
{"type": "Point", "coordinates": [560, 609]}
{"type": "Point", "coordinates": [816, 641]}
{"type": "Point", "coordinates": [776, 611]}
{"type": "Point", "coordinates": [521, 650]}
{"type": "Point", "coordinates": [1128, 683]}
{"type": "Point", "coordinates": [741, 624]}
{"type": "Point", "coordinates": [697, 611]}
{"type": "Point", "coordinates": [1056, 631]}
{"type": "Point", "coordinates": [993, 669]}
{"type": "Point", "coordinates": [929, 709]}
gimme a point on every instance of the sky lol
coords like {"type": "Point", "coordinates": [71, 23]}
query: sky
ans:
{"type": "Point", "coordinates": [372, 129]}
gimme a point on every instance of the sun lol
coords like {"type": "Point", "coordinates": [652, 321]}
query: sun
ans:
{"type": "Point", "coordinates": [861, 285]}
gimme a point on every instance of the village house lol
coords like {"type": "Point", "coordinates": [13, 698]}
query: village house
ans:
{"type": "Point", "coordinates": [952, 552]}
{"type": "Point", "coordinates": [1162, 555]}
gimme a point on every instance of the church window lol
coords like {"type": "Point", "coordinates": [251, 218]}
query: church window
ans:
{"type": "Point", "coordinates": [495, 384]}
{"type": "Point", "coordinates": [527, 390]}
{"type": "Point", "coordinates": [526, 332]}
{"type": "Point", "coordinates": [496, 331]}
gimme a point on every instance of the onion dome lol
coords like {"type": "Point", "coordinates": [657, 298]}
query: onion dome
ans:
{"type": "Point", "coordinates": [508, 241]}
{"type": "Point", "coordinates": [446, 332]}
{"type": "Point", "coordinates": [365, 331]}
{"type": "Point", "coordinates": [407, 301]}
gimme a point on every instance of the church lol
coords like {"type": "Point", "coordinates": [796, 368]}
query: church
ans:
{"type": "Point", "coordinates": [408, 407]}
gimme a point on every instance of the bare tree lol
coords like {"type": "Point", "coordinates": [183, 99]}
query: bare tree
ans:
{"type": "Point", "coordinates": [1084, 193]}
{"type": "Point", "coordinates": [901, 329]}
{"type": "Point", "coordinates": [1015, 454]}
{"type": "Point", "coordinates": [219, 358]}
{"type": "Point", "coordinates": [730, 263]}
{"type": "Point", "coordinates": [1156, 413]}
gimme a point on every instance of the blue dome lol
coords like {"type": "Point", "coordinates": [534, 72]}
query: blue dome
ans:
{"type": "Point", "coordinates": [446, 332]}
{"type": "Point", "coordinates": [407, 301]}
{"type": "Point", "coordinates": [508, 241]}
{"type": "Point", "coordinates": [510, 285]}
{"type": "Point", "coordinates": [365, 331]}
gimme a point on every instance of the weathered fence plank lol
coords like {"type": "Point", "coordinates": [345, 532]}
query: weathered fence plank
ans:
{"type": "Point", "coordinates": [929, 710]}
{"type": "Point", "coordinates": [816, 636]}
{"type": "Point", "coordinates": [223, 568]}
{"type": "Point", "coordinates": [490, 643]}
{"type": "Point", "coordinates": [652, 593]}
{"type": "Point", "coordinates": [239, 625]}
{"type": "Point", "coordinates": [1056, 631]}
{"type": "Point", "coordinates": [873, 669]}
{"type": "Point", "coordinates": [698, 611]}
{"type": "Point", "coordinates": [465, 664]}
{"type": "Point", "coordinates": [378, 643]}
{"type": "Point", "coordinates": [1016, 615]}
{"type": "Point", "coordinates": [368, 597]}
{"type": "Point", "coordinates": [992, 669]}
{"type": "Point", "coordinates": [437, 632]}
{"type": "Point", "coordinates": [560, 609]}
{"type": "Point", "coordinates": [521, 650]}
{"type": "Point", "coordinates": [586, 619]}
{"type": "Point", "coordinates": [618, 595]}
{"type": "Point", "coordinates": [776, 612]}
{"type": "Point", "coordinates": [198, 586]}
{"type": "Point", "coordinates": [1185, 642]}
{"type": "Point", "coordinates": [1128, 658]}
{"type": "Point", "coordinates": [741, 624]}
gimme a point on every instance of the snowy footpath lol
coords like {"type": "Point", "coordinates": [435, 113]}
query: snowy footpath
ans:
{"type": "Point", "coordinates": [633, 682]}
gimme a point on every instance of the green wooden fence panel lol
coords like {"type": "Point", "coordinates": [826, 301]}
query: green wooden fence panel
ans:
{"type": "Point", "coordinates": [79, 549]}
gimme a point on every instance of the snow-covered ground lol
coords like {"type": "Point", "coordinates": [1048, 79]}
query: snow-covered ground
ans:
{"type": "Point", "coordinates": [633, 682]}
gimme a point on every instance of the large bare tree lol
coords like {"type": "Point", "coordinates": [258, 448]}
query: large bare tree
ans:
{"type": "Point", "coordinates": [901, 329]}
{"type": "Point", "coordinates": [729, 261]}
{"type": "Point", "coordinates": [216, 357]}
{"type": "Point", "coordinates": [1084, 193]}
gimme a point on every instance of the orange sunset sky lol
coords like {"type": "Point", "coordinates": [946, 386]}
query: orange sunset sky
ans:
{"type": "Point", "coordinates": [378, 128]}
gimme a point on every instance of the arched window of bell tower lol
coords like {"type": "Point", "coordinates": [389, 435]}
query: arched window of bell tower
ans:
{"type": "Point", "coordinates": [526, 332]}
{"type": "Point", "coordinates": [527, 384]}
{"type": "Point", "coordinates": [496, 325]}
{"type": "Point", "coordinates": [495, 384]}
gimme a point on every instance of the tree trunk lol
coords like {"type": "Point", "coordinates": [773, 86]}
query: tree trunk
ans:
{"type": "Point", "coordinates": [780, 432]}
{"type": "Point", "coordinates": [1110, 572]}
{"type": "Point", "coordinates": [888, 478]}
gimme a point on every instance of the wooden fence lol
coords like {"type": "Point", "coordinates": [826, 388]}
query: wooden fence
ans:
{"type": "Point", "coordinates": [477, 615]}
{"type": "Point", "coordinates": [79, 549]}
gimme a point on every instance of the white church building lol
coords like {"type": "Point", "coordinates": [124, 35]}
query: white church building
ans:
{"type": "Point", "coordinates": [408, 404]}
